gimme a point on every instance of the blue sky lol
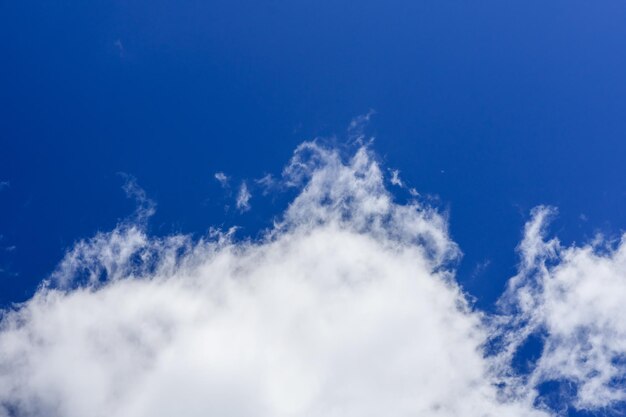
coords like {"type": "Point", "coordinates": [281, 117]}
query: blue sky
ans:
{"type": "Point", "coordinates": [488, 109]}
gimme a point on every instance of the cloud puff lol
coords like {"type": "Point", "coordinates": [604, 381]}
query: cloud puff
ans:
{"type": "Point", "coordinates": [395, 178]}
{"type": "Point", "coordinates": [222, 179]}
{"type": "Point", "coordinates": [573, 299]}
{"type": "Point", "coordinates": [346, 307]}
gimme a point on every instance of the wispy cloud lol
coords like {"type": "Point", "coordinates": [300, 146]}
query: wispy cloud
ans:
{"type": "Point", "coordinates": [572, 297]}
{"type": "Point", "coordinates": [395, 178]}
{"type": "Point", "coordinates": [243, 197]}
{"type": "Point", "coordinates": [145, 206]}
{"type": "Point", "coordinates": [120, 47]}
{"type": "Point", "coordinates": [356, 128]}
{"type": "Point", "coordinates": [268, 183]}
{"type": "Point", "coordinates": [4, 185]}
{"type": "Point", "coordinates": [360, 121]}
{"type": "Point", "coordinates": [347, 306]}
{"type": "Point", "coordinates": [222, 179]}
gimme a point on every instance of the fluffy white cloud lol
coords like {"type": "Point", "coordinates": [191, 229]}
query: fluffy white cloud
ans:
{"type": "Point", "coordinates": [347, 307]}
{"type": "Point", "coordinates": [573, 297]}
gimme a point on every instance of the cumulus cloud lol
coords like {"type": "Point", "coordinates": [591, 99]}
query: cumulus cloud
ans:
{"type": "Point", "coordinates": [572, 297]}
{"type": "Point", "coordinates": [346, 307]}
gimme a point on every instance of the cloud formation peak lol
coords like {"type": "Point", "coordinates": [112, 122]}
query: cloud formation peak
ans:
{"type": "Point", "coordinates": [347, 307]}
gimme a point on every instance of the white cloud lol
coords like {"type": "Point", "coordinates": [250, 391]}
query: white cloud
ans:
{"type": "Point", "coordinates": [222, 179]}
{"type": "Point", "coordinates": [360, 120]}
{"type": "Point", "coordinates": [574, 298]}
{"type": "Point", "coordinates": [243, 197]}
{"type": "Point", "coordinates": [267, 183]}
{"type": "Point", "coordinates": [347, 307]}
{"type": "Point", "coordinates": [395, 178]}
{"type": "Point", "coordinates": [145, 206]}
{"type": "Point", "coordinates": [357, 125]}
{"type": "Point", "coordinates": [4, 184]}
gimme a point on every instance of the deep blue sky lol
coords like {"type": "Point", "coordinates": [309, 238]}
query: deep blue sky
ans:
{"type": "Point", "coordinates": [493, 106]}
